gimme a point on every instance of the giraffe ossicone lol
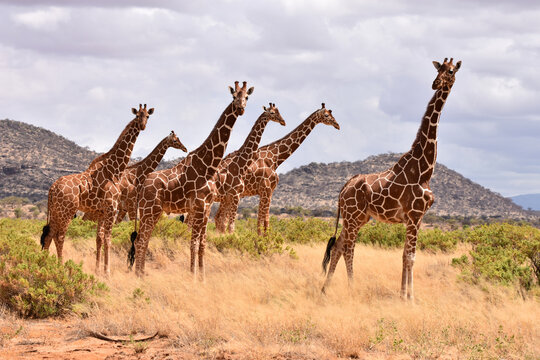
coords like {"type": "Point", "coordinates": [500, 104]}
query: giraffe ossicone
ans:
{"type": "Point", "coordinates": [400, 194]}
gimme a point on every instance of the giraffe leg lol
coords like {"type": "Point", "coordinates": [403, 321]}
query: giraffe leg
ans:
{"type": "Point", "coordinates": [197, 215]}
{"type": "Point", "coordinates": [202, 244]}
{"type": "Point", "coordinates": [99, 243]}
{"type": "Point", "coordinates": [409, 254]}
{"type": "Point", "coordinates": [264, 212]}
{"type": "Point", "coordinates": [61, 230]}
{"type": "Point", "coordinates": [121, 215]}
{"type": "Point", "coordinates": [108, 222]}
{"type": "Point", "coordinates": [348, 248]}
{"type": "Point", "coordinates": [336, 253]}
{"type": "Point", "coordinates": [231, 214]}
{"type": "Point", "coordinates": [220, 218]}
{"type": "Point", "coordinates": [149, 219]}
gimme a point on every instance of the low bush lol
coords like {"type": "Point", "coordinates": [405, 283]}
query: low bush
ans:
{"type": "Point", "coordinates": [504, 253]}
{"type": "Point", "coordinates": [33, 283]}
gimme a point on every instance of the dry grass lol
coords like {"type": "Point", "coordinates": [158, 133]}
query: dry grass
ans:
{"type": "Point", "coordinates": [260, 308]}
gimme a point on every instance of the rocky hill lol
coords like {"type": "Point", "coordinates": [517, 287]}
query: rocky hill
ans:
{"type": "Point", "coordinates": [318, 185]}
{"type": "Point", "coordinates": [32, 158]}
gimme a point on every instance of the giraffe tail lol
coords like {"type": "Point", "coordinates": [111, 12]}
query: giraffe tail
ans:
{"type": "Point", "coordinates": [46, 230]}
{"type": "Point", "coordinates": [131, 253]}
{"type": "Point", "coordinates": [330, 245]}
{"type": "Point", "coordinates": [47, 227]}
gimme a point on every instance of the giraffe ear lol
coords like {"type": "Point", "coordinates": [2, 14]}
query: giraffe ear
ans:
{"type": "Point", "coordinates": [437, 65]}
{"type": "Point", "coordinates": [151, 111]}
{"type": "Point", "coordinates": [134, 111]}
{"type": "Point", "coordinates": [232, 90]}
{"type": "Point", "coordinates": [250, 90]}
{"type": "Point", "coordinates": [264, 108]}
{"type": "Point", "coordinates": [458, 65]}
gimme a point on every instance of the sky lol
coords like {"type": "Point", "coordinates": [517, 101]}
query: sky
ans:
{"type": "Point", "coordinates": [78, 67]}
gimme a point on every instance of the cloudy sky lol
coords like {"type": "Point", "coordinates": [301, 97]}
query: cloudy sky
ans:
{"type": "Point", "coordinates": [77, 68]}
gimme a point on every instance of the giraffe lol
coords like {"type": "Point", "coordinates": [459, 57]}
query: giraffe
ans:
{"type": "Point", "coordinates": [230, 175]}
{"type": "Point", "coordinates": [93, 190]}
{"type": "Point", "coordinates": [400, 194]}
{"type": "Point", "coordinates": [261, 178]}
{"type": "Point", "coordinates": [187, 187]}
{"type": "Point", "coordinates": [134, 175]}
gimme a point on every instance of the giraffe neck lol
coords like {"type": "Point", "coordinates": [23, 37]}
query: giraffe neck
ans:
{"type": "Point", "coordinates": [251, 144]}
{"type": "Point", "coordinates": [419, 162]}
{"type": "Point", "coordinates": [117, 158]}
{"type": "Point", "coordinates": [427, 133]}
{"type": "Point", "coordinates": [151, 162]}
{"type": "Point", "coordinates": [206, 158]}
{"type": "Point", "coordinates": [284, 147]}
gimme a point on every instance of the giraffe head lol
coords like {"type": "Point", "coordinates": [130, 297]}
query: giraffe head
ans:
{"type": "Point", "coordinates": [272, 112]}
{"type": "Point", "coordinates": [240, 96]}
{"type": "Point", "coordinates": [446, 73]}
{"type": "Point", "coordinates": [173, 141]}
{"type": "Point", "coordinates": [324, 116]}
{"type": "Point", "coordinates": [142, 115]}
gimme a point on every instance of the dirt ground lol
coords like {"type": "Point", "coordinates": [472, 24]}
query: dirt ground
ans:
{"type": "Point", "coordinates": [63, 339]}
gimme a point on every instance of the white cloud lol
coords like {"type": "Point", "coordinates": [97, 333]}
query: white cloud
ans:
{"type": "Point", "coordinates": [77, 69]}
{"type": "Point", "coordinates": [45, 19]}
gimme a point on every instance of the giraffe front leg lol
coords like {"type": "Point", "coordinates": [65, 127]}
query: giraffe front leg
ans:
{"type": "Point", "coordinates": [121, 215]}
{"type": "Point", "coordinates": [409, 254]}
{"type": "Point", "coordinates": [99, 244]}
{"type": "Point", "coordinates": [264, 211]}
{"type": "Point", "coordinates": [231, 214]}
{"type": "Point", "coordinates": [202, 243]}
{"type": "Point", "coordinates": [108, 222]}
{"type": "Point", "coordinates": [220, 218]}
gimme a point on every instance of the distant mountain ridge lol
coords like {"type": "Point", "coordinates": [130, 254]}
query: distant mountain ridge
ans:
{"type": "Point", "coordinates": [528, 201]}
{"type": "Point", "coordinates": [32, 158]}
{"type": "Point", "coordinates": [317, 185]}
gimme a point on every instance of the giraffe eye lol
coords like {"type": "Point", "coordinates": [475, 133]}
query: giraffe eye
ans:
{"type": "Point", "coordinates": [451, 71]}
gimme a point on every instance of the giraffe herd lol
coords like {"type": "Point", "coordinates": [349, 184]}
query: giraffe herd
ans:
{"type": "Point", "coordinates": [109, 189]}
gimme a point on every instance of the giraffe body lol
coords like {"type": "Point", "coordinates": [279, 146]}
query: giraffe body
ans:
{"type": "Point", "coordinates": [400, 194]}
{"type": "Point", "coordinates": [93, 190]}
{"type": "Point", "coordinates": [188, 187]}
{"type": "Point", "coordinates": [134, 175]}
{"type": "Point", "coordinates": [229, 179]}
{"type": "Point", "coordinates": [262, 178]}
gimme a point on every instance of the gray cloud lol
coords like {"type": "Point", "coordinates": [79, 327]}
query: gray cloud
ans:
{"type": "Point", "coordinates": [77, 67]}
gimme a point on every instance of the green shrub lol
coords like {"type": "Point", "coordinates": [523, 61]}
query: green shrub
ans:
{"type": "Point", "coordinates": [382, 234]}
{"type": "Point", "coordinates": [506, 253]}
{"type": "Point", "coordinates": [434, 240]}
{"type": "Point", "coordinates": [302, 230]}
{"type": "Point", "coordinates": [34, 284]}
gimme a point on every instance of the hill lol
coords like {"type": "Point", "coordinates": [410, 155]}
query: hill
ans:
{"type": "Point", "coordinates": [528, 201]}
{"type": "Point", "coordinates": [317, 186]}
{"type": "Point", "coordinates": [32, 158]}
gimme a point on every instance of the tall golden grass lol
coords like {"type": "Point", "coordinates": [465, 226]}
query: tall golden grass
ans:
{"type": "Point", "coordinates": [263, 307]}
